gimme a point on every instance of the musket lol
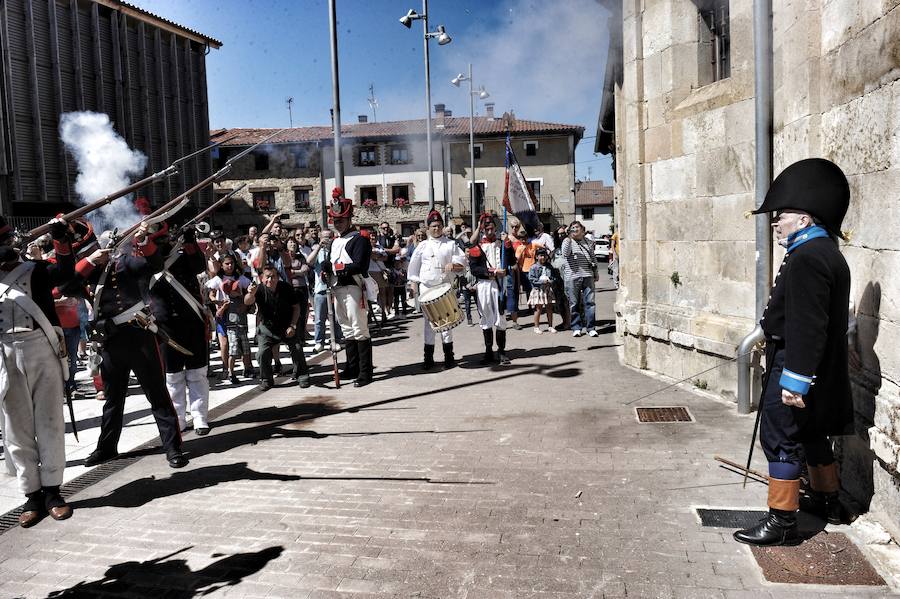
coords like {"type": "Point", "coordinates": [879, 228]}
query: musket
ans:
{"type": "Point", "coordinates": [329, 296]}
{"type": "Point", "coordinates": [220, 202]}
{"type": "Point", "coordinates": [173, 206]}
{"type": "Point", "coordinates": [170, 170]}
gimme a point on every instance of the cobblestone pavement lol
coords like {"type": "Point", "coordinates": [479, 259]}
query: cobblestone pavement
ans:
{"type": "Point", "coordinates": [533, 480]}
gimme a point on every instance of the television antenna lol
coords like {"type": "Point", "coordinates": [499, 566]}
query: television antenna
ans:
{"type": "Point", "coordinates": [373, 102]}
{"type": "Point", "coordinates": [290, 102]}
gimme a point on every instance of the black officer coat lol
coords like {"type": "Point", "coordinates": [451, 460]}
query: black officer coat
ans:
{"type": "Point", "coordinates": [127, 281]}
{"type": "Point", "coordinates": [807, 315]}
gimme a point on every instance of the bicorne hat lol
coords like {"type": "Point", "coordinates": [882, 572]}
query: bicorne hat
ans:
{"type": "Point", "coordinates": [814, 185]}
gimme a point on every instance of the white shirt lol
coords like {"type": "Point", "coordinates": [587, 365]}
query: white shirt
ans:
{"type": "Point", "coordinates": [430, 260]}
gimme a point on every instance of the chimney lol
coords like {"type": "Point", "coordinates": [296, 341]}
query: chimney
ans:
{"type": "Point", "coordinates": [363, 118]}
{"type": "Point", "coordinates": [489, 110]}
{"type": "Point", "coordinates": [448, 114]}
{"type": "Point", "coordinates": [439, 116]}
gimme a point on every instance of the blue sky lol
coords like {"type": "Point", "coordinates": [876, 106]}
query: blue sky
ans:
{"type": "Point", "coordinates": [545, 60]}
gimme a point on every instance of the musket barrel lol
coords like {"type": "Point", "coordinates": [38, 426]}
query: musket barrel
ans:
{"type": "Point", "coordinates": [213, 207]}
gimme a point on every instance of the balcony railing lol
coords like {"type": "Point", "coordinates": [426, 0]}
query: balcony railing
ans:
{"type": "Point", "coordinates": [546, 205]}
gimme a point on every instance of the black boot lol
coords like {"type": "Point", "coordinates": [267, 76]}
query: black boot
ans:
{"type": "Point", "coordinates": [826, 506]}
{"type": "Point", "coordinates": [449, 360]}
{"type": "Point", "coordinates": [488, 356]}
{"type": "Point", "coordinates": [365, 363]}
{"type": "Point", "coordinates": [33, 509]}
{"type": "Point", "coordinates": [351, 368]}
{"type": "Point", "coordinates": [428, 363]}
{"type": "Point", "coordinates": [501, 348]}
{"type": "Point", "coordinates": [778, 528]}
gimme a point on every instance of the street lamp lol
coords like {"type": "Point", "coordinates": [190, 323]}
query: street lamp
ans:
{"type": "Point", "coordinates": [482, 94]}
{"type": "Point", "coordinates": [443, 39]}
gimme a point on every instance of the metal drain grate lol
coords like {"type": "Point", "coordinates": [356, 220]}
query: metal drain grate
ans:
{"type": "Point", "coordinates": [670, 414]}
{"type": "Point", "coordinates": [729, 518]}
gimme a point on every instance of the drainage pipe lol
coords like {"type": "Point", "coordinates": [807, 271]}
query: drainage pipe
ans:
{"type": "Point", "coordinates": [763, 109]}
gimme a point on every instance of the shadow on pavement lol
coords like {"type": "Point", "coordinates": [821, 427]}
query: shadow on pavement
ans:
{"type": "Point", "coordinates": [173, 578]}
{"type": "Point", "coordinates": [144, 490]}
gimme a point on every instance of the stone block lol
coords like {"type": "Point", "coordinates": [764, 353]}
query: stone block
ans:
{"type": "Point", "coordinates": [886, 499]}
{"type": "Point", "coordinates": [728, 220]}
{"type": "Point", "coordinates": [863, 63]}
{"type": "Point", "coordinates": [656, 27]}
{"type": "Point", "coordinates": [887, 450]}
{"type": "Point", "coordinates": [673, 179]}
{"type": "Point", "coordinates": [860, 135]}
{"type": "Point", "coordinates": [725, 171]}
{"type": "Point", "coordinates": [681, 220]}
{"type": "Point", "coordinates": [739, 122]}
{"type": "Point", "coordinates": [704, 131]}
{"type": "Point", "coordinates": [797, 140]}
{"type": "Point", "coordinates": [887, 414]}
{"type": "Point", "coordinates": [845, 19]}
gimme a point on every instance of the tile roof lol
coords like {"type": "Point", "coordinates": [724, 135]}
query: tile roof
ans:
{"type": "Point", "coordinates": [593, 193]}
{"type": "Point", "coordinates": [453, 126]}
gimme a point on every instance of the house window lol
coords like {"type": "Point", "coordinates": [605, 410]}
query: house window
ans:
{"type": "Point", "coordinates": [368, 194]}
{"type": "Point", "coordinates": [399, 191]}
{"type": "Point", "coordinates": [367, 156]}
{"type": "Point", "coordinates": [476, 150]}
{"type": "Point", "coordinates": [301, 159]}
{"type": "Point", "coordinates": [587, 214]}
{"type": "Point", "coordinates": [301, 199]}
{"type": "Point", "coordinates": [531, 148]}
{"type": "Point", "coordinates": [535, 187]}
{"type": "Point", "coordinates": [261, 161]}
{"type": "Point", "coordinates": [264, 201]}
{"type": "Point", "coordinates": [714, 42]}
{"type": "Point", "coordinates": [399, 155]}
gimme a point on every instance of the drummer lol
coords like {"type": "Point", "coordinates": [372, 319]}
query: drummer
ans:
{"type": "Point", "coordinates": [435, 263]}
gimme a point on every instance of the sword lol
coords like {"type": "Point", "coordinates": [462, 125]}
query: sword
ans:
{"type": "Point", "coordinates": [146, 322]}
{"type": "Point", "coordinates": [71, 412]}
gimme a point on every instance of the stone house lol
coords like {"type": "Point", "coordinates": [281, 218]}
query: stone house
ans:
{"type": "Point", "coordinates": [385, 170]}
{"type": "Point", "coordinates": [678, 117]}
{"type": "Point", "coordinates": [594, 207]}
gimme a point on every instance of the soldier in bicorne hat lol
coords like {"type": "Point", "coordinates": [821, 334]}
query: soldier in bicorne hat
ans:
{"type": "Point", "coordinates": [346, 265]}
{"type": "Point", "coordinates": [806, 387]}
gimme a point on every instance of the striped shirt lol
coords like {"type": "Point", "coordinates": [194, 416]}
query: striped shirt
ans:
{"type": "Point", "coordinates": [578, 256]}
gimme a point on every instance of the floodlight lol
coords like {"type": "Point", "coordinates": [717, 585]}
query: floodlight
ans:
{"type": "Point", "coordinates": [482, 93]}
{"type": "Point", "coordinates": [407, 19]}
{"type": "Point", "coordinates": [443, 38]}
{"type": "Point", "coordinates": [458, 79]}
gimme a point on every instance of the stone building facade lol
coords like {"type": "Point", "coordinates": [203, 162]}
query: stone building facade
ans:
{"type": "Point", "coordinates": [684, 162]}
{"type": "Point", "coordinates": [386, 173]}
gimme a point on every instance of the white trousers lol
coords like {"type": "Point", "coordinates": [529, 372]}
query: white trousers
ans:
{"type": "Point", "coordinates": [446, 336]}
{"type": "Point", "coordinates": [31, 407]}
{"type": "Point", "coordinates": [487, 298]}
{"type": "Point", "coordinates": [190, 388]}
{"type": "Point", "coordinates": [351, 313]}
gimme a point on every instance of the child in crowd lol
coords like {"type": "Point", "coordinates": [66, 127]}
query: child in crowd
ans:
{"type": "Point", "coordinates": [541, 277]}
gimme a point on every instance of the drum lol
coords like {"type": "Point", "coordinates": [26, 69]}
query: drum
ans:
{"type": "Point", "coordinates": [441, 308]}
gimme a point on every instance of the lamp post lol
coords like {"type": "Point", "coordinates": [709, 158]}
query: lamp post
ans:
{"type": "Point", "coordinates": [336, 98]}
{"type": "Point", "coordinates": [443, 39]}
{"type": "Point", "coordinates": [482, 94]}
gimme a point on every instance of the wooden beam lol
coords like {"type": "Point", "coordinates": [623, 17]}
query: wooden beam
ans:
{"type": "Point", "coordinates": [10, 106]}
{"type": "Point", "coordinates": [160, 23]}
{"type": "Point", "coordinates": [98, 57]}
{"type": "Point", "coordinates": [179, 123]}
{"type": "Point", "coordinates": [119, 95]}
{"type": "Point", "coordinates": [76, 54]}
{"type": "Point", "coordinates": [161, 90]}
{"type": "Point", "coordinates": [206, 157]}
{"type": "Point", "coordinates": [189, 69]}
{"type": "Point", "coordinates": [144, 85]}
{"type": "Point", "coordinates": [35, 102]}
{"type": "Point", "coordinates": [127, 78]}
{"type": "Point", "coordinates": [57, 84]}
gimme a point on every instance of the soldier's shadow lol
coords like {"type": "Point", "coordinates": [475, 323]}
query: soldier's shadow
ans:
{"type": "Point", "coordinates": [172, 578]}
{"type": "Point", "coordinates": [144, 490]}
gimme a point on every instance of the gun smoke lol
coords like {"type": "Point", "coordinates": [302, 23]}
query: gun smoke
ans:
{"type": "Point", "coordinates": [105, 164]}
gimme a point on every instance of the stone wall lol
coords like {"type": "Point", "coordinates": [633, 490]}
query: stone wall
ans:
{"type": "Point", "coordinates": [685, 162]}
{"type": "Point", "coordinates": [685, 175]}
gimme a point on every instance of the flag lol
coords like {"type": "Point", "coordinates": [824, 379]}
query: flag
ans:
{"type": "Point", "coordinates": [518, 196]}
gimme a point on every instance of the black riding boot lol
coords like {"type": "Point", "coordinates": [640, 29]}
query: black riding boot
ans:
{"type": "Point", "coordinates": [826, 506]}
{"type": "Point", "coordinates": [449, 360]}
{"type": "Point", "coordinates": [365, 363]}
{"type": "Point", "coordinates": [428, 364]}
{"type": "Point", "coordinates": [351, 368]}
{"type": "Point", "coordinates": [488, 347]}
{"type": "Point", "coordinates": [778, 528]}
{"type": "Point", "coordinates": [501, 348]}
